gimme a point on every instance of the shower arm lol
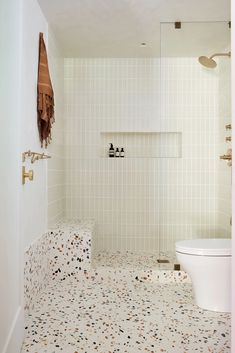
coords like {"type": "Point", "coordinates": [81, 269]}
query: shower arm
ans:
{"type": "Point", "coordinates": [221, 54]}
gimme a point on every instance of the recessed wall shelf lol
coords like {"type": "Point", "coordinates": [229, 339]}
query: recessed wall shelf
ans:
{"type": "Point", "coordinates": [138, 144]}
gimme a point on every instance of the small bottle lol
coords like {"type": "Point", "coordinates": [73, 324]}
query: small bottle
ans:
{"type": "Point", "coordinates": [117, 152]}
{"type": "Point", "coordinates": [111, 151]}
{"type": "Point", "coordinates": [122, 153]}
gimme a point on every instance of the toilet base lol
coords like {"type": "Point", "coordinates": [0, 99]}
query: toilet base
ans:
{"type": "Point", "coordinates": [211, 280]}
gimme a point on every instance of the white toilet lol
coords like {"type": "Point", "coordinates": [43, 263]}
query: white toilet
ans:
{"type": "Point", "coordinates": [208, 263]}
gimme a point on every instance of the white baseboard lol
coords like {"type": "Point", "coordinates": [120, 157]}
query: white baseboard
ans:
{"type": "Point", "coordinates": [16, 334]}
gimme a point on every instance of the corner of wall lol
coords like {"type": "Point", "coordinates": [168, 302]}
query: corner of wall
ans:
{"type": "Point", "coordinates": [16, 334]}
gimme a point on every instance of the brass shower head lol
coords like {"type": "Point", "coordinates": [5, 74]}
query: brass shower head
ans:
{"type": "Point", "coordinates": [210, 62]}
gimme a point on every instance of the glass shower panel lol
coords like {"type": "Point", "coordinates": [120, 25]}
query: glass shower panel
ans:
{"type": "Point", "coordinates": [195, 185]}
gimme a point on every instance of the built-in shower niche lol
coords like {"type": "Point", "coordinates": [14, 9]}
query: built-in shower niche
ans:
{"type": "Point", "coordinates": [143, 144]}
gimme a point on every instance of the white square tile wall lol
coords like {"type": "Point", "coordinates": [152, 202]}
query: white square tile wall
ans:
{"type": "Point", "coordinates": [142, 204]}
{"type": "Point", "coordinates": [225, 173]}
{"type": "Point", "coordinates": [56, 172]}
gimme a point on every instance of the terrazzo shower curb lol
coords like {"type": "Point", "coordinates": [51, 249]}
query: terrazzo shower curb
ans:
{"type": "Point", "coordinates": [143, 266]}
{"type": "Point", "coordinates": [144, 275]}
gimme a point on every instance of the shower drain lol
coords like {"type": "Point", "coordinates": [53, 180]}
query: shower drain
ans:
{"type": "Point", "coordinates": [175, 267]}
{"type": "Point", "coordinates": [162, 261]}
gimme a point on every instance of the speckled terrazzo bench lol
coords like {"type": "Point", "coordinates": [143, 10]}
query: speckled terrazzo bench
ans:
{"type": "Point", "coordinates": [61, 252]}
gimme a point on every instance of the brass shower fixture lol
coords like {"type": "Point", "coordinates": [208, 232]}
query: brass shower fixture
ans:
{"type": "Point", "coordinates": [210, 62]}
{"type": "Point", "coordinates": [227, 157]}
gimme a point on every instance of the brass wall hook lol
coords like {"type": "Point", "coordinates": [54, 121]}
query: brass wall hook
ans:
{"type": "Point", "coordinates": [26, 154]}
{"type": "Point", "coordinates": [26, 175]}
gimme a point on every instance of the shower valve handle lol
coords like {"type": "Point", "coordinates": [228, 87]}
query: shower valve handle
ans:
{"type": "Point", "coordinates": [227, 157]}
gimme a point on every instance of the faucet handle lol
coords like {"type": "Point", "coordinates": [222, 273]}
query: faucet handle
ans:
{"type": "Point", "coordinates": [25, 175]}
{"type": "Point", "coordinates": [227, 157]}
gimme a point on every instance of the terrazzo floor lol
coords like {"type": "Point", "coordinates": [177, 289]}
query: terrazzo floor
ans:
{"type": "Point", "coordinates": [101, 311]}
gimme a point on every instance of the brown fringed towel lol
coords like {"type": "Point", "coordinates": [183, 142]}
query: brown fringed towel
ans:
{"type": "Point", "coordinates": [45, 102]}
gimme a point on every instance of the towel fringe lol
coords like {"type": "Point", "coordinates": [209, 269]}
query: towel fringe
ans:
{"type": "Point", "coordinates": [45, 99]}
{"type": "Point", "coordinates": [45, 118]}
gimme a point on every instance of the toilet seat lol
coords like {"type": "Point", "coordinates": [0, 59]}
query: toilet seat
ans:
{"type": "Point", "coordinates": [205, 247]}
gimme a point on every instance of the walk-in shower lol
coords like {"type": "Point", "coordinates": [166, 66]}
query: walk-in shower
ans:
{"type": "Point", "coordinates": [194, 192]}
{"type": "Point", "coordinates": [169, 114]}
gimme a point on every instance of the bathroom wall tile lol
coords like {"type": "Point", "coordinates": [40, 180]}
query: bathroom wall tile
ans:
{"type": "Point", "coordinates": [56, 195]}
{"type": "Point", "coordinates": [139, 202]}
{"type": "Point", "coordinates": [225, 176]}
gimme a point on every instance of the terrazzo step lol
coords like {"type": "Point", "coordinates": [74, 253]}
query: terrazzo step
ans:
{"type": "Point", "coordinates": [142, 275]}
{"type": "Point", "coordinates": [140, 266]}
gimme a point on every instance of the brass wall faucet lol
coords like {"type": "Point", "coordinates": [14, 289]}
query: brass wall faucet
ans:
{"type": "Point", "coordinates": [35, 156]}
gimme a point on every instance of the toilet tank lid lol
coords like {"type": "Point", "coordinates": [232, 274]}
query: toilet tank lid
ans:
{"type": "Point", "coordinates": [206, 247]}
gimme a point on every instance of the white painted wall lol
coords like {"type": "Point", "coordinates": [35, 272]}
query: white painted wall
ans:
{"type": "Point", "coordinates": [11, 328]}
{"type": "Point", "coordinates": [33, 205]}
{"type": "Point", "coordinates": [36, 208]}
{"type": "Point", "coordinates": [23, 208]}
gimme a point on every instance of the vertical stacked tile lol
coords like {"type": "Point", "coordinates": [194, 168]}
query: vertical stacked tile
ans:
{"type": "Point", "coordinates": [145, 203]}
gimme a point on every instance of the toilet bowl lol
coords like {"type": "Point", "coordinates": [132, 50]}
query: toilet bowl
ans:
{"type": "Point", "coordinates": [208, 263]}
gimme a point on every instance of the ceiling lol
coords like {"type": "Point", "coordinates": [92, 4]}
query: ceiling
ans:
{"type": "Point", "coordinates": [116, 28]}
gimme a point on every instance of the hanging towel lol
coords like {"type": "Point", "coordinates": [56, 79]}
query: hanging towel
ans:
{"type": "Point", "coordinates": [45, 99]}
